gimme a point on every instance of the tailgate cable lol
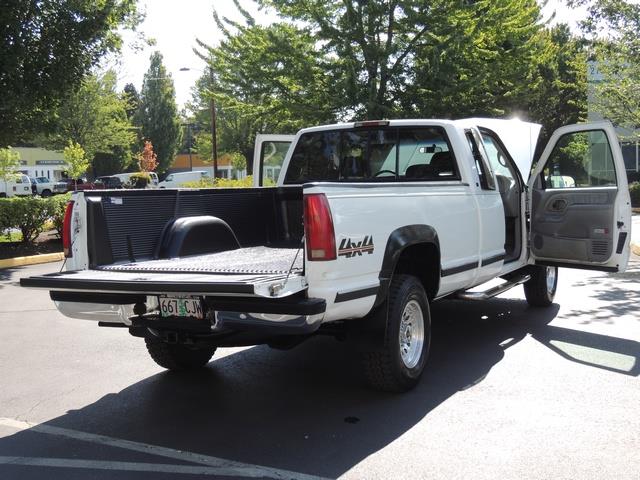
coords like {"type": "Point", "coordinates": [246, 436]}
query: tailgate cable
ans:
{"type": "Point", "coordinates": [276, 288]}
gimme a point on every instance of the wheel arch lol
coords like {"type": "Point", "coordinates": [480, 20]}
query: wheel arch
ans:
{"type": "Point", "coordinates": [412, 250]}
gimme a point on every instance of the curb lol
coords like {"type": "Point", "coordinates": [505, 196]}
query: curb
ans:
{"type": "Point", "coordinates": [31, 260]}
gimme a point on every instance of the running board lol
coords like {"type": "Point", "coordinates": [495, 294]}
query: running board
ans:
{"type": "Point", "coordinates": [492, 292]}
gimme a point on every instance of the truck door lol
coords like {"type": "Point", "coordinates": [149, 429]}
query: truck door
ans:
{"type": "Point", "coordinates": [579, 201]}
{"type": "Point", "coordinates": [268, 155]}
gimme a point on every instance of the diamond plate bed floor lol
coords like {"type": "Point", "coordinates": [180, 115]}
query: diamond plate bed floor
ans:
{"type": "Point", "coordinates": [252, 260]}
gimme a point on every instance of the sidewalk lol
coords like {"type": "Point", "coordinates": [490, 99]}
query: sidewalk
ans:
{"type": "Point", "coordinates": [635, 234]}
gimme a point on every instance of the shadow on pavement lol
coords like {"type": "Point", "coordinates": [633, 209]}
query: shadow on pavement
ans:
{"type": "Point", "coordinates": [307, 410]}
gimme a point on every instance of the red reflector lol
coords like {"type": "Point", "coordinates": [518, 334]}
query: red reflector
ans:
{"type": "Point", "coordinates": [318, 228]}
{"type": "Point", "coordinates": [371, 123]}
{"type": "Point", "coordinates": [66, 230]}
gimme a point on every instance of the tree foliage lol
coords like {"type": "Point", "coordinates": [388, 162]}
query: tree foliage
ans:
{"type": "Point", "coordinates": [157, 114]}
{"type": "Point", "coordinates": [9, 163]}
{"type": "Point", "coordinates": [48, 46]}
{"type": "Point", "coordinates": [147, 160]}
{"type": "Point", "coordinates": [75, 157]}
{"type": "Point", "coordinates": [612, 26]}
{"type": "Point", "coordinates": [95, 117]}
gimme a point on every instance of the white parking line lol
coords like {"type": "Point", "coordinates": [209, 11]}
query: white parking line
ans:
{"type": "Point", "coordinates": [214, 465]}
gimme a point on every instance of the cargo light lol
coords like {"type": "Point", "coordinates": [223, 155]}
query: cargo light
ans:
{"type": "Point", "coordinates": [371, 123]}
{"type": "Point", "coordinates": [318, 228]}
{"type": "Point", "coordinates": [66, 230]}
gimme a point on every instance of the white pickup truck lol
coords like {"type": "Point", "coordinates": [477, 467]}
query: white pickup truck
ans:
{"type": "Point", "coordinates": [369, 223]}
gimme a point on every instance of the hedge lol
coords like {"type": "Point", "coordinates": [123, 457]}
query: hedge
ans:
{"type": "Point", "coordinates": [30, 214]}
{"type": "Point", "coordinates": [634, 190]}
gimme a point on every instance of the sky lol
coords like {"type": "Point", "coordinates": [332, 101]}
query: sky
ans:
{"type": "Point", "coordinates": [175, 25]}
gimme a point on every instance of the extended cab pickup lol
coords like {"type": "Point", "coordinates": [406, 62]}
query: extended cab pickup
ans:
{"type": "Point", "coordinates": [369, 223]}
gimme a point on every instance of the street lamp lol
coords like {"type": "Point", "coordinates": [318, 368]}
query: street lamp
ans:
{"type": "Point", "coordinates": [214, 141]}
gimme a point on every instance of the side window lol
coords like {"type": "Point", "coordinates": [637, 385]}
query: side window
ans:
{"type": "Point", "coordinates": [505, 173]}
{"type": "Point", "coordinates": [424, 154]}
{"type": "Point", "coordinates": [481, 163]}
{"type": "Point", "coordinates": [271, 157]}
{"type": "Point", "coordinates": [169, 178]}
{"type": "Point", "coordinates": [315, 158]}
{"type": "Point", "coordinates": [580, 159]}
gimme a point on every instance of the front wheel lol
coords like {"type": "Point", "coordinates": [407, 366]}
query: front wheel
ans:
{"type": "Point", "coordinates": [178, 357]}
{"type": "Point", "coordinates": [399, 365]}
{"type": "Point", "coordinates": [540, 289]}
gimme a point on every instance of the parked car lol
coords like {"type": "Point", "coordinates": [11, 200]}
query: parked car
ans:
{"type": "Point", "coordinates": [126, 179]}
{"type": "Point", "coordinates": [46, 187]}
{"type": "Point", "coordinates": [107, 182]}
{"type": "Point", "coordinates": [177, 179]}
{"type": "Point", "coordinates": [78, 184]}
{"type": "Point", "coordinates": [20, 185]}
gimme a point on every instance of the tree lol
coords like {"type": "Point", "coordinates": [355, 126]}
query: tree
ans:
{"type": "Point", "coordinates": [266, 79]}
{"type": "Point", "coordinates": [77, 163]}
{"type": "Point", "coordinates": [132, 98]}
{"type": "Point", "coordinates": [9, 163]}
{"type": "Point", "coordinates": [95, 117]}
{"type": "Point", "coordinates": [612, 27]}
{"type": "Point", "coordinates": [47, 48]}
{"type": "Point", "coordinates": [147, 160]}
{"type": "Point", "coordinates": [157, 114]}
{"type": "Point", "coordinates": [238, 162]}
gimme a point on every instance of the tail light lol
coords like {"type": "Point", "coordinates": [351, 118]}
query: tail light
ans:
{"type": "Point", "coordinates": [318, 228]}
{"type": "Point", "coordinates": [66, 230]}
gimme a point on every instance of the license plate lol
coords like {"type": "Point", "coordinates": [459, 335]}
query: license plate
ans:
{"type": "Point", "coordinates": [181, 307]}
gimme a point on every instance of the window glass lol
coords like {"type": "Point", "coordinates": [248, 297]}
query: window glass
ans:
{"type": "Point", "coordinates": [381, 154]}
{"type": "Point", "coordinates": [498, 160]}
{"type": "Point", "coordinates": [580, 159]}
{"type": "Point", "coordinates": [272, 156]}
{"type": "Point", "coordinates": [425, 155]}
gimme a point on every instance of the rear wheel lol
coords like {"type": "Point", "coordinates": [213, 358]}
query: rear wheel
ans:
{"type": "Point", "coordinates": [399, 365]}
{"type": "Point", "coordinates": [178, 357]}
{"type": "Point", "coordinates": [46, 193]}
{"type": "Point", "coordinates": [540, 289]}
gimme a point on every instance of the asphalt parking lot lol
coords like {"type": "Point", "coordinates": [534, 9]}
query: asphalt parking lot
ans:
{"type": "Point", "coordinates": [510, 392]}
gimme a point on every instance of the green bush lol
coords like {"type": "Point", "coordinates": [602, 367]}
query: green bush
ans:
{"type": "Point", "coordinates": [634, 190]}
{"type": "Point", "coordinates": [30, 214]}
{"type": "Point", "coordinates": [220, 183]}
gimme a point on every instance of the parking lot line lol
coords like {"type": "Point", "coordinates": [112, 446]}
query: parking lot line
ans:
{"type": "Point", "coordinates": [214, 465]}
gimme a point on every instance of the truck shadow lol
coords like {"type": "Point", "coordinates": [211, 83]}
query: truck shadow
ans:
{"type": "Point", "coordinates": [307, 410]}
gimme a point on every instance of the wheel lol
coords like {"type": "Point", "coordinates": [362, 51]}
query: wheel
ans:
{"type": "Point", "coordinates": [178, 357]}
{"type": "Point", "coordinates": [541, 288]}
{"type": "Point", "coordinates": [399, 365]}
{"type": "Point", "coordinates": [46, 193]}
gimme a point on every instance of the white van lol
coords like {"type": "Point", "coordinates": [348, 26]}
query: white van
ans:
{"type": "Point", "coordinates": [175, 180]}
{"type": "Point", "coordinates": [125, 178]}
{"type": "Point", "coordinates": [19, 185]}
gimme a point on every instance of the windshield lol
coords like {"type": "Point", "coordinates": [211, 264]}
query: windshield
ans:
{"type": "Point", "coordinates": [385, 154]}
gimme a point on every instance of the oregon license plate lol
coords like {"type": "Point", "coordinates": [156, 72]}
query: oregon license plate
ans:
{"type": "Point", "coordinates": [181, 307]}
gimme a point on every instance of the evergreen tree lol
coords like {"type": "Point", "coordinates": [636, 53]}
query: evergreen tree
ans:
{"type": "Point", "coordinates": [157, 114]}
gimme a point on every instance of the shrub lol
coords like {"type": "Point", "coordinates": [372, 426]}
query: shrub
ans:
{"type": "Point", "coordinates": [220, 183]}
{"type": "Point", "coordinates": [27, 214]}
{"type": "Point", "coordinates": [57, 207]}
{"type": "Point", "coordinates": [634, 191]}
{"type": "Point", "coordinates": [139, 180]}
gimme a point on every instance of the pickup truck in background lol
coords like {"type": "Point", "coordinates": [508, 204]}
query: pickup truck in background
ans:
{"type": "Point", "coordinates": [19, 185]}
{"type": "Point", "coordinates": [46, 187]}
{"type": "Point", "coordinates": [369, 223]}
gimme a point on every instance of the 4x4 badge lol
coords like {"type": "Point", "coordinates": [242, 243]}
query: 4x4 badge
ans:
{"type": "Point", "coordinates": [350, 248]}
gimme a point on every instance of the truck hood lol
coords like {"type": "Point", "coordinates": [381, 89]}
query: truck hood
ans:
{"type": "Point", "coordinates": [520, 138]}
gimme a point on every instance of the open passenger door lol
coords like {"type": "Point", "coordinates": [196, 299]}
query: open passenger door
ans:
{"type": "Point", "coordinates": [268, 155]}
{"type": "Point", "coordinates": [580, 208]}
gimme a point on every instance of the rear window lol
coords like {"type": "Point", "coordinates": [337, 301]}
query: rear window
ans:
{"type": "Point", "coordinates": [385, 154]}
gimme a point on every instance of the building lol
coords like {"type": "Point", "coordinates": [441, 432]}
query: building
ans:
{"type": "Point", "coordinates": [185, 162]}
{"type": "Point", "coordinates": [39, 162]}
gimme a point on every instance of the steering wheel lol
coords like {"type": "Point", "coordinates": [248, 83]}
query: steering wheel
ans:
{"type": "Point", "coordinates": [385, 171]}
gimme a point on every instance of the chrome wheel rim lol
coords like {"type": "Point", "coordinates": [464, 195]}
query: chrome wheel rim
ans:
{"type": "Point", "coordinates": [551, 280]}
{"type": "Point", "coordinates": [411, 334]}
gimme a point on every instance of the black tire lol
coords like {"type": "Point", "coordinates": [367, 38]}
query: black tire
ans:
{"type": "Point", "coordinates": [538, 291]}
{"type": "Point", "coordinates": [46, 193]}
{"type": "Point", "coordinates": [387, 369]}
{"type": "Point", "coordinates": [178, 357]}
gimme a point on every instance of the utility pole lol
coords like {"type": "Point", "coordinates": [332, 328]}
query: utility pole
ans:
{"type": "Point", "coordinates": [214, 140]}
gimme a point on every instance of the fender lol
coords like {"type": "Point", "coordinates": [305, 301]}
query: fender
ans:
{"type": "Point", "coordinates": [398, 241]}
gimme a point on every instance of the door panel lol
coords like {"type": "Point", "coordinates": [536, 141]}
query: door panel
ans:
{"type": "Point", "coordinates": [580, 208]}
{"type": "Point", "coordinates": [269, 153]}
